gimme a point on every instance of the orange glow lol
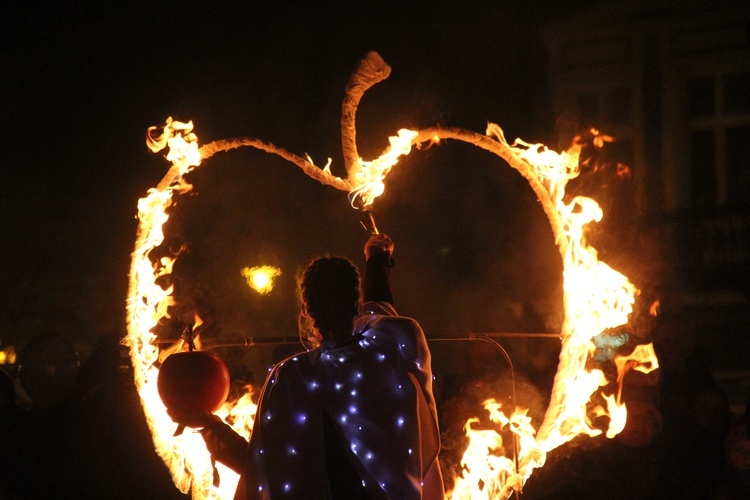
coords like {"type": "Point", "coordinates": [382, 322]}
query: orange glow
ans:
{"type": "Point", "coordinates": [8, 355]}
{"type": "Point", "coordinates": [148, 304]}
{"type": "Point", "coordinates": [487, 464]}
{"type": "Point", "coordinates": [260, 278]}
{"type": "Point", "coordinates": [642, 359]}
{"type": "Point", "coordinates": [367, 182]}
{"type": "Point", "coordinates": [655, 308]}
{"type": "Point", "coordinates": [596, 298]}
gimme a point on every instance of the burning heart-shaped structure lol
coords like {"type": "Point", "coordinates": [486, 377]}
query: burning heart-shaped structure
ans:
{"type": "Point", "coordinates": [596, 297]}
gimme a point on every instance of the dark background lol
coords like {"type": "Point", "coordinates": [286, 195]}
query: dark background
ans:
{"type": "Point", "coordinates": [82, 82]}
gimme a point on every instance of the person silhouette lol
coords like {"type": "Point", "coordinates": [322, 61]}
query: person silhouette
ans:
{"type": "Point", "coordinates": [352, 417]}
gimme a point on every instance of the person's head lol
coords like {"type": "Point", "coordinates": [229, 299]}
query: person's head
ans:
{"type": "Point", "coordinates": [330, 297]}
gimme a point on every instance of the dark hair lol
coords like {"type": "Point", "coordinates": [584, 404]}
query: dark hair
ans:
{"type": "Point", "coordinates": [329, 291]}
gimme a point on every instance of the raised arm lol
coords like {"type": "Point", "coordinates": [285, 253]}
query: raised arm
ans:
{"type": "Point", "coordinates": [376, 282]}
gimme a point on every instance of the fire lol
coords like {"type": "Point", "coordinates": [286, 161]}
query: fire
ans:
{"type": "Point", "coordinates": [487, 464]}
{"type": "Point", "coordinates": [481, 463]}
{"type": "Point", "coordinates": [367, 180]}
{"type": "Point", "coordinates": [260, 278]}
{"type": "Point", "coordinates": [497, 461]}
{"type": "Point", "coordinates": [642, 359]}
{"type": "Point", "coordinates": [596, 298]}
{"type": "Point", "coordinates": [148, 304]}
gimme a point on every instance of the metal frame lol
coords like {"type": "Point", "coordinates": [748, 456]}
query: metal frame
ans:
{"type": "Point", "coordinates": [489, 338]}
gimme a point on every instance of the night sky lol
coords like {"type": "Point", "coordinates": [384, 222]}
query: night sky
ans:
{"type": "Point", "coordinates": [82, 83]}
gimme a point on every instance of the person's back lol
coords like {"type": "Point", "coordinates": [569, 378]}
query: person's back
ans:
{"type": "Point", "coordinates": [368, 393]}
{"type": "Point", "coordinates": [351, 418]}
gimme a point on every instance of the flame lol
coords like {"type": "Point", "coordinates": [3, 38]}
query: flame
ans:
{"type": "Point", "coordinates": [260, 278]}
{"type": "Point", "coordinates": [642, 359]}
{"type": "Point", "coordinates": [148, 305]}
{"type": "Point", "coordinates": [596, 298]}
{"type": "Point", "coordinates": [434, 141]}
{"type": "Point", "coordinates": [655, 308]}
{"type": "Point", "coordinates": [482, 465]}
{"type": "Point", "coordinates": [486, 466]}
{"type": "Point", "coordinates": [367, 180]}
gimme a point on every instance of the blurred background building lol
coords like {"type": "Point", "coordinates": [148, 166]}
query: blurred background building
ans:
{"type": "Point", "coordinates": [670, 80]}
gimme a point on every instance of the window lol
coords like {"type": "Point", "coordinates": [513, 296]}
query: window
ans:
{"type": "Point", "coordinates": [718, 111]}
{"type": "Point", "coordinates": [737, 93]}
{"type": "Point", "coordinates": [738, 165]}
{"type": "Point", "coordinates": [701, 98]}
{"type": "Point", "coordinates": [702, 168]}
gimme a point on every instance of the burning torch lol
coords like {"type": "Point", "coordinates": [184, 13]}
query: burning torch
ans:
{"type": "Point", "coordinates": [367, 218]}
{"type": "Point", "coordinates": [371, 70]}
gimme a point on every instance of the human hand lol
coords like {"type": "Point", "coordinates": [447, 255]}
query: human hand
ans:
{"type": "Point", "coordinates": [378, 243]}
{"type": "Point", "coordinates": [191, 418]}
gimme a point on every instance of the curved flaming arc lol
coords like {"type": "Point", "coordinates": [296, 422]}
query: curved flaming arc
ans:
{"type": "Point", "coordinates": [595, 298]}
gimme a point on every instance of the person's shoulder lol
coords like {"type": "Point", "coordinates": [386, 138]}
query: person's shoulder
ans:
{"type": "Point", "coordinates": [394, 325]}
{"type": "Point", "coordinates": [378, 308]}
{"type": "Point", "coordinates": [297, 363]}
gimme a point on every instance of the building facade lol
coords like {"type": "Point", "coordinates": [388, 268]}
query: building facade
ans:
{"type": "Point", "coordinates": [670, 80]}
